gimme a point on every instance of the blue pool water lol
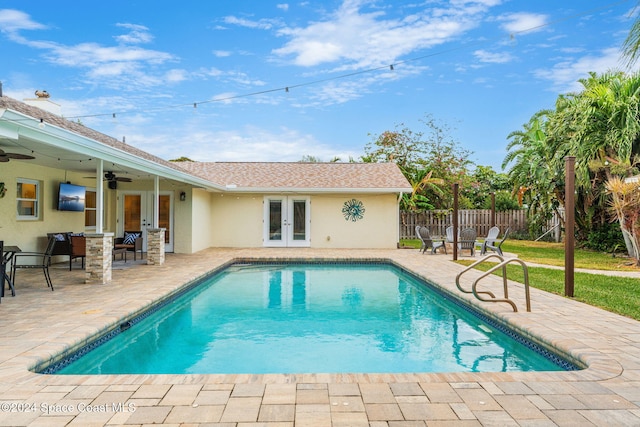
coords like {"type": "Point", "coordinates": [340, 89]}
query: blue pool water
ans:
{"type": "Point", "coordinates": [310, 318]}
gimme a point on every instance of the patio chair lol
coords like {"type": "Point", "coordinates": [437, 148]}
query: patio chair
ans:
{"type": "Point", "coordinates": [427, 241]}
{"type": "Point", "coordinates": [449, 233]}
{"type": "Point", "coordinates": [496, 246]}
{"type": "Point", "coordinates": [492, 235]}
{"type": "Point", "coordinates": [132, 241]}
{"type": "Point", "coordinates": [467, 240]}
{"type": "Point", "coordinates": [78, 249]}
{"type": "Point", "coordinates": [37, 260]}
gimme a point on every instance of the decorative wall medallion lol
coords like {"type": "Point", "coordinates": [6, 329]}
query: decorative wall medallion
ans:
{"type": "Point", "coordinates": [353, 210]}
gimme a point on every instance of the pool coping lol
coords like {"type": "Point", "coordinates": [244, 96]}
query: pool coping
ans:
{"type": "Point", "coordinates": [594, 366]}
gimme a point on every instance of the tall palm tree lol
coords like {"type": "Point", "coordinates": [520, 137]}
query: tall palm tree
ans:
{"type": "Point", "coordinates": [631, 45]}
{"type": "Point", "coordinates": [536, 167]}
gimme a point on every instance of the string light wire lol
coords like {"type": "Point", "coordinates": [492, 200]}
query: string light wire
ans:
{"type": "Point", "coordinates": [387, 66]}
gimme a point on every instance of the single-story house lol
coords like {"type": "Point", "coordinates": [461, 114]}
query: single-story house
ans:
{"type": "Point", "coordinates": [197, 205]}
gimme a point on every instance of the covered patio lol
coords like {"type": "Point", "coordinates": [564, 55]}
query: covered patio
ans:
{"type": "Point", "coordinates": [37, 325]}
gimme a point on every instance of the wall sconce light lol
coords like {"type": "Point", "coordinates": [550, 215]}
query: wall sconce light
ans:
{"type": "Point", "coordinates": [183, 196]}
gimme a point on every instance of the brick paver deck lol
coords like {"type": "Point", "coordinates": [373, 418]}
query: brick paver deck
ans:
{"type": "Point", "coordinates": [38, 324]}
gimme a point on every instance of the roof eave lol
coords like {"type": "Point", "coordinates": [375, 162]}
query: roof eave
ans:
{"type": "Point", "coordinates": [308, 190]}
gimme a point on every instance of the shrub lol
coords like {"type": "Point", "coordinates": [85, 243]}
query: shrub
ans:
{"type": "Point", "coordinates": [605, 238]}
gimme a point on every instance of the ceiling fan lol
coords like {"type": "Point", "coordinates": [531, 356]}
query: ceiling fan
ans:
{"type": "Point", "coordinates": [110, 176]}
{"type": "Point", "coordinates": [5, 157]}
{"type": "Point", "coordinates": [112, 179]}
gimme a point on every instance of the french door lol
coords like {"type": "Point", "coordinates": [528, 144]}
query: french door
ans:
{"type": "Point", "coordinates": [286, 221]}
{"type": "Point", "coordinates": [136, 213]}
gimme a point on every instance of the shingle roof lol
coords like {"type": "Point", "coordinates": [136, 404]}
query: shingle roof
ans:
{"type": "Point", "coordinates": [285, 176]}
{"type": "Point", "coordinates": [302, 176]}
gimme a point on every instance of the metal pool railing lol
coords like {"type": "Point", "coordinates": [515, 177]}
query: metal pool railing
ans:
{"type": "Point", "coordinates": [503, 265]}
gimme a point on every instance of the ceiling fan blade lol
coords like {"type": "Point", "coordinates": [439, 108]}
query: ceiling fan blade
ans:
{"type": "Point", "coordinates": [122, 179]}
{"type": "Point", "coordinates": [3, 158]}
{"type": "Point", "coordinates": [18, 156]}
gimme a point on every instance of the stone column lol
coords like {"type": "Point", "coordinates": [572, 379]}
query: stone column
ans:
{"type": "Point", "coordinates": [98, 258]}
{"type": "Point", "coordinates": [155, 246]}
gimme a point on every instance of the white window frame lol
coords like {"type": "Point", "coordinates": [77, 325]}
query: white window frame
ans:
{"type": "Point", "coordinates": [36, 201]}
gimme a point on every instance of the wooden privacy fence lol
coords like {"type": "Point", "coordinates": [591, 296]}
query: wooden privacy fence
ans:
{"type": "Point", "coordinates": [479, 219]}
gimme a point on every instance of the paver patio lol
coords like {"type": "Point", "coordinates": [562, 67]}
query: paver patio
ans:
{"type": "Point", "coordinates": [38, 324]}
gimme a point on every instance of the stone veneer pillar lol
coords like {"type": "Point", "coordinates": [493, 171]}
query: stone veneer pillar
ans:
{"type": "Point", "coordinates": [155, 246]}
{"type": "Point", "coordinates": [99, 257]}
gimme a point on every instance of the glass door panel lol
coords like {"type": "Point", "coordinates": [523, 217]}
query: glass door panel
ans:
{"type": "Point", "coordinates": [286, 221]}
{"type": "Point", "coordinates": [276, 222]}
{"type": "Point", "coordinates": [299, 215]}
{"type": "Point", "coordinates": [132, 218]}
{"type": "Point", "coordinates": [164, 217]}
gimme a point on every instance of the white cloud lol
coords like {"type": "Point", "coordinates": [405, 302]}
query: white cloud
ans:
{"type": "Point", "coordinates": [91, 55]}
{"type": "Point", "coordinates": [261, 24]}
{"type": "Point", "coordinates": [221, 53]}
{"type": "Point", "coordinates": [491, 57]}
{"type": "Point", "coordinates": [370, 38]}
{"type": "Point", "coordinates": [12, 21]}
{"type": "Point", "coordinates": [523, 22]}
{"type": "Point", "coordinates": [110, 66]}
{"type": "Point", "coordinates": [564, 75]}
{"type": "Point", "coordinates": [137, 34]}
{"type": "Point", "coordinates": [283, 6]}
{"type": "Point", "coordinates": [250, 143]}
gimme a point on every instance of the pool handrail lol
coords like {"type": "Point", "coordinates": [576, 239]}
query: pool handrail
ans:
{"type": "Point", "coordinates": [502, 264]}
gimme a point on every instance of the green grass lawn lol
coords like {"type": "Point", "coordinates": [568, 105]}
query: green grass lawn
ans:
{"type": "Point", "coordinates": [616, 294]}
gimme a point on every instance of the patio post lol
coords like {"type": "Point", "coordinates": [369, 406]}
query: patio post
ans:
{"type": "Point", "coordinates": [155, 246]}
{"type": "Point", "coordinates": [99, 258]}
{"type": "Point", "coordinates": [569, 224]}
{"type": "Point", "coordinates": [455, 221]}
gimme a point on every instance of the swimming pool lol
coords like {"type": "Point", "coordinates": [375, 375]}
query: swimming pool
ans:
{"type": "Point", "coordinates": [310, 318]}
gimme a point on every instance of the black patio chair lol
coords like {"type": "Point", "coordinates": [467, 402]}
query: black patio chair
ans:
{"type": "Point", "coordinates": [29, 260]}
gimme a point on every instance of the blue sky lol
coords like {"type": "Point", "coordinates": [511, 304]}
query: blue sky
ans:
{"type": "Point", "coordinates": [482, 67]}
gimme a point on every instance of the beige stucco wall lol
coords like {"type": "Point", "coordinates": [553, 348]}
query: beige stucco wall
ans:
{"type": "Point", "coordinates": [201, 220]}
{"type": "Point", "coordinates": [377, 229]}
{"type": "Point", "coordinates": [31, 235]}
{"type": "Point", "coordinates": [238, 221]}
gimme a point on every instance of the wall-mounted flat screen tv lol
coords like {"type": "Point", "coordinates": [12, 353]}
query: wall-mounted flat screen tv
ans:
{"type": "Point", "coordinates": [71, 197]}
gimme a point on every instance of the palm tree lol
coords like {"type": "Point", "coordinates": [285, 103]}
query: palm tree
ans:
{"type": "Point", "coordinates": [420, 181]}
{"type": "Point", "coordinates": [536, 167]}
{"type": "Point", "coordinates": [631, 45]}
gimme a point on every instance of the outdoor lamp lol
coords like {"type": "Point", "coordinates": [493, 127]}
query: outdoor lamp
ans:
{"type": "Point", "coordinates": [183, 196]}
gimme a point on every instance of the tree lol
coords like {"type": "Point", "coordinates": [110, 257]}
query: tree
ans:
{"type": "Point", "coordinates": [181, 159]}
{"type": "Point", "coordinates": [600, 126]}
{"type": "Point", "coordinates": [402, 147]}
{"type": "Point", "coordinates": [418, 154]}
{"type": "Point", "coordinates": [416, 201]}
{"type": "Point", "coordinates": [624, 206]}
{"type": "Point", "coordinates": [485, 182]}
{"type": "Point", "coordinates": [536, 169]}
{"type": "Point", "coordinates": [309, 159]}
{"type": "Point", "coordinates": [631, 45]}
